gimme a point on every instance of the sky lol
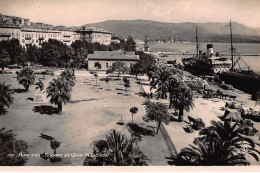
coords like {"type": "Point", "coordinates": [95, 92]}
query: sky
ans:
{"type": "Point", "coordinates": [80, 12]}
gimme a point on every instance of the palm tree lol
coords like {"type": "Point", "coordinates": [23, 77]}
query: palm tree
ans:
{"type": "Point", "coordinates": [68, 76]}
{"type": "Point", "coordinates": [182, 99]}
{"type": "Point", "coordinates": [26, 77]}
{"type": "Point", "coordinates": [160, 80]}
{"type": "Point", "coordinates": [219, 144]}
{"type": "Point", "coordinates": [133, 110]}
{"type": "Point", "coordinates": [59, 91]}
{"type": "Point", "coordinates": [156, 112]}
{"type": "Point", "coordinates": [116, 150]}
{"type": "Point", "coordinates": [6, 98]}
{"type": "Point", "coordinates": [54, 145]}
{"type": "Point", "coordinates": [174, 84]}
{"type": "Point", "coordinates": [39, 85]}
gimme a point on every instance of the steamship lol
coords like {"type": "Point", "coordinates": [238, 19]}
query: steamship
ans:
{"type": "Point", "coordinates": [243, 78]}
{"type": "Point", "coordinates": [206, 63]}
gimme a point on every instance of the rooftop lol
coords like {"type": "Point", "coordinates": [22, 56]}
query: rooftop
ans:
{"type": "Point", "coordinates": [113, 55]}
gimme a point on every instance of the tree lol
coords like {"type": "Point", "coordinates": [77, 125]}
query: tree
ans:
{"type": "Point", "coordinates": [68, 76]}
{"type": "Point", "coordinates": [96, 77]}
{"type": "Point", "coordinates": [182, 99]}
{"type": "Point", "coordinates": [160, 80]}
{"type": "Point", "coordinates": [33, 53]}
{"type": "Point", "coordinates": [15, 50]}
{"type": "Point", "coordinates": [120, 67]}
{"type": "Point", "coordinates": [67, 56]}
{"type": "Point", "coordinates": [11, 148]}
{"type": "Point", "coordinates": [126, 85]}
{"type": "Point", "coordinates": [130, 44]}
{"type": "Point", "coordinates": [26, 77]}
{"type": "Point", "coordinates": [116, 150]}
{"type": "Point", "coordinates": [39, 85]}
{"type": "Point", "coordinates": [4, 59]}
{"type": "Point", "coordinates": [145, 65]}
{"type": "Point", "coordinates": [52, 53]}
{"type": "Point", "coordinates": [173, 87]}
{"type": "Point", "coordinates": [6, 98]}
{"type": "Point", "coordinates": [156, 111]}
{"type": "Point", "coordinates": [219, 144]}
{"type": "Point", "coordinates": [136, 69]}
{"type": "Point", "coordinates": [59, 92]}
{"type": "Point", "coordinates": [133, 110]}
{"type": "Point", "coordinates": [107, 80]}
{"type": "Point", "coordinates": [54, 145]}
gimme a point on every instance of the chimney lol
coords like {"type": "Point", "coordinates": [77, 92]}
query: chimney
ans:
{"type": "Point", "coordinates": [209, 50]}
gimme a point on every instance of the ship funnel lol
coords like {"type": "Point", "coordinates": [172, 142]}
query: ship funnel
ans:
{"type": "Point", "coordinates": [209, 50]}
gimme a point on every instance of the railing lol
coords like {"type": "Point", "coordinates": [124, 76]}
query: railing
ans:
{"type": "Point", "coordinates": [28, 38]}
{"type": "Point", "coordinates": [165, 135]}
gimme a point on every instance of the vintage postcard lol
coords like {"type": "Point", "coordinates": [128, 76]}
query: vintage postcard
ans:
{"type": "Point", "coordinates": [130, 85]}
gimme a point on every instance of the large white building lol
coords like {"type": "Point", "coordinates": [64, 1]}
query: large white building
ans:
{"type": "Point", "coordinates": [33, 33]}
{"type": "Point", "coordinates": [95, 35]}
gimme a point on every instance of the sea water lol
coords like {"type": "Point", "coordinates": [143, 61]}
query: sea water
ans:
{"type": "Point", "coordinates": [240, 48]}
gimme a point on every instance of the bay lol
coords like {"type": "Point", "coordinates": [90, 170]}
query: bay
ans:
{"type": "Point", "coordinates": [241, 49]}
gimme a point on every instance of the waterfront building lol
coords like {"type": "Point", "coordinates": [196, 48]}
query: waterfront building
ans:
{"type": "Point", "coordinates": [103, 60]}
{"type": "Point", "coordinates": [67, 36]}
{"type": "Point", "coordinates": [33, 33]}
{"type": "Point", "coordinates": [95, 35]}
{"type": "Point", "coordinates": [36, 37]}
{"type": "Point", "coordinates": [8, 32]}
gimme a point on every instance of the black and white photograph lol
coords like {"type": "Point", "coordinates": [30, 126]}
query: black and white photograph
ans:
{"type": "Point", "coordinates": [133, 83]}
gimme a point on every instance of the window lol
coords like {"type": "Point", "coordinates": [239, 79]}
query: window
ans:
{"type": "Point", "coordinates": [32, 41]}
{"type": "Point", "coordinates": [36, 35]}
{"type": "Point", "coordinates": [36, 41]}
{"type": "Point", "coordinates": [97, 65]}
{"type": "Point", "coordinates": [106, 64]}
{"type": "Point", "coordinates": [131, 64]}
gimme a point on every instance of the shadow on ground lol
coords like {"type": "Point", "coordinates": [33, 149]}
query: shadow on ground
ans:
{"type": "Point", "coordinates": [84, 100]}
{"type": "Point", "coordinates": [3, 111]}
{"type": "Point", "coordinates": [45, 109]}
{"type": "Point", "coordinates": [19, 90]}
{"type": "Point", "coordinates": [139, 131]}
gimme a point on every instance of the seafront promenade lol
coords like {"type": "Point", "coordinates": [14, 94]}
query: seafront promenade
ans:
{"type": "Point", "coordinates": [207, 109]}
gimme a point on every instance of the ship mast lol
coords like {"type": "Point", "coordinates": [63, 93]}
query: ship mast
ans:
{"type": "Point", "coordinates": [197, 44]}
{"type": "Point", "coordinates": [232, 57]}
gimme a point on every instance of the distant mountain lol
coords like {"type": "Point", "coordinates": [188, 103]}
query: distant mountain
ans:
{"type": "Point", "coordinates": [210, 31]}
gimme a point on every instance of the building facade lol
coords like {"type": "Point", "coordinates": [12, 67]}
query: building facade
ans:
{"type": "Point", "coordinates": [8, 32]}
{"type": "Point", "coordinates": [33, 33]}
{"type": "Point", "coordinates": [37, 36]}
{"type": "Point", "coordinates": [103, 60]}
{"type": "Point", "coordinates": [95, 35]}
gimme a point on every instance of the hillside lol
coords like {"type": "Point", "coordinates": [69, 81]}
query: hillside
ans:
{"type": "Point", "coordinates": [210, 31]}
